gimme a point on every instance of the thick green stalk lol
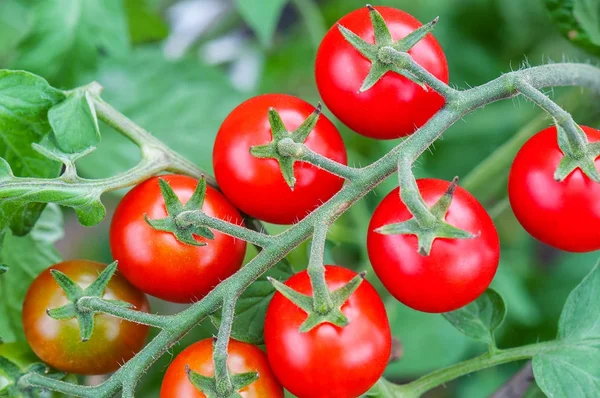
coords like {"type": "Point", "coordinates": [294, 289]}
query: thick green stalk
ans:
{"type": "Point", "coordinates": [220, 355]}
{"type": "Point", "coordinates": [316, 270]}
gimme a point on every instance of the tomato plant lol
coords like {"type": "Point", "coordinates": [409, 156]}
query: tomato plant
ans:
{"type": "Point", "coordinates": [243, 358]}
{"type": "Point", "coordinates": [256, 186]}
{"type": "Point", "coordinates": [328, 361]}
{"type": "Point", "coordinates": [58, 342]}
{"type": "Point", "coordinates": [155, 261]}
{"type": "Point", "coordinates": [455, 272]}
{"type": "Point", "coordinates": [564, 214]}
{"type": "Point", "coordinates": [395, 105]}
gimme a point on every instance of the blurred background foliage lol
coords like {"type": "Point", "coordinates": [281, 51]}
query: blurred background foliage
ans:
{"type": "Point", "coordinates": [179, 67]}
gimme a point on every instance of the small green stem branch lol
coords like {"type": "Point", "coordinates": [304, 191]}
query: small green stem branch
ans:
{"type": "Point", "coordinates": [316, 270]}
{"type": "Point", "coordinates": [420, 386]}
{"type": "Point", "coordinates": [199, 218]}
{"type": "Point", "coordinates": [99, 305]}
{"type": "Point", "coordinates": [220, 355]}
{"type": "Point", "coordinates": [409, 193]}
{"type": "Point", "coordinates": [458, 104]}
{"type": "Point", "coordinates": [302, 152]}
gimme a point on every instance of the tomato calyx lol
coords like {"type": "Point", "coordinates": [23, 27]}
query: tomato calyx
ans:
{"type": "Point", "coordinates": [17, 386]}
{"type": "Point", "coordinates": [283, 146]}
{"type": "Point", "coordinates": [427, 231]}
{"type": "Point", "coordinates": [208, 385]}
{"type": "Point", "coordinates": [578, 153]}
{"type": "Point", "coordinates": [321, 309]}
{"type": "Point", "coordinates": [74, 293]}
{"type": "Point", "coordinates": [183, 231]}
{"type": "Point", "coordinates": [377, 53]}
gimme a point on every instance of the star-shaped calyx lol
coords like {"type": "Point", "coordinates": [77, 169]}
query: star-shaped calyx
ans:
{"type": "Point", "coordinates": [74, 292]}
{"type": "Point", "coordinates": [275, 149]}
{"type": "Point", "coordinates": [578, 153]}
{"type": "Point", "coordinates": [183, 232]}
{"type": "Point", "coordinates": [208, 385]}
{"type": "Point", "coordinates": [380, 63]}
{"type": "Point", "coordinates": [318, 314]}
{"type": "Point", "coordinates": [438, 229]}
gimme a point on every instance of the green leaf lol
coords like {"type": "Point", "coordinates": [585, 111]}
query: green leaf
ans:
{"type": "Point", "coordinates": [571, 370]}
{"type": "Point", "coordinates": [183, 103]}
{"type": "Point", "coordinates": [262, 16]}
{"type": "Point", "coordinates": [248, 324]}
{"type": "Point", "coordinates": [69, 35]}
{"type": "Point", "coordinates": [24, 103]}
{"type": "Point", "coordinates": [480, 319]}
{"type": "Point", "coordinates": [15, 22]}
{"type": "Point", "coordinates": [578, 21]}
{"type": "Point", "coordinates": [27, 257]}
{"type": "Point", "coordinates": [587, 13]}
{"type": "Point", "coordinates": [74, 123]}
{"type": "Point", "coordinates": [145, 22]}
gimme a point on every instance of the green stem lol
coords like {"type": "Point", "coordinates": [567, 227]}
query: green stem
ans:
{"type": "Point", "coordinates": [410, 195]}
{"type": "Point", "coordinates": [97, 304]}
{"type": "Point", "coordinates": [439, 377]}
{"type": "Point", "coordinates": [222, 378]}
{"type": "Point", "coordinates": [199, 218]}
{"type": "Point", "coordinates": [316, 270]}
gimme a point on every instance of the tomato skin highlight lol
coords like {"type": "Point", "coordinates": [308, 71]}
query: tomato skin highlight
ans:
{"type": "Point", "coordinates": [256, 186]}
{"type": "Point", "coordinates": [566, 214]}
{"type": "Point", "coordinates": [328, 361]}
{"type": "Point", "coordinates": [58, 343]}
{"type": "Point", "coordinates": [395, 106]}
{"type": "Point", "coordinates": [155, 261]}
{"type": "Point", "coordinates": [243, 357]}
{"type": "Point", "coordinates": [455, 273]}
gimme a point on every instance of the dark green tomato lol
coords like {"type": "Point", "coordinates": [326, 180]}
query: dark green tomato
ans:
{"type": "Point", "coordinates": [58, 343]}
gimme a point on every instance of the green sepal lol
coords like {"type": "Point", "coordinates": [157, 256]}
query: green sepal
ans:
{"type": "Point", "coordinates": [74, 293]}
{"type": "Point", "coordinates": [279, 134]}
{"type": "Point", "coordinates": [306, 303]}
{"type": "Point", "coordinates": [378, 53]}
{"type": "Point", "coordinates": [208, 385]}
{"type": "Point", "coordinates": [426, 236]}
{"type": "Point", "coordinates": [184, 233]}
{"type": "Point", "coordinates": [575, 156]}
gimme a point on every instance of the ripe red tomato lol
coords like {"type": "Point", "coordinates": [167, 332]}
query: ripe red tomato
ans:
{"type": "Point", "coordinates": [328, 361]}
{"type": "Point", "coordinates": [564, 214]}
{"type": "Point", "coordinates": [455, 272]}
{"type": "Point", "coordinates": [155, 261]}
{"type": "Point", "coordinates": [256, 186]}
{"type": "Point", "coordinates": [58, 343]}
{"type": "Point", "coordinates": [243, 358]}
{"type": "Point", "coordinates": [394, 106]}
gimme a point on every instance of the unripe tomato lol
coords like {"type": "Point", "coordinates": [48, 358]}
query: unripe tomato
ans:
{"type": "Point", "coordinates": [58, 342]}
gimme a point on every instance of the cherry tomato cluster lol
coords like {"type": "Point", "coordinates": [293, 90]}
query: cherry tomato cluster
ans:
{"type": "Point", "coordinates": [328, 360]}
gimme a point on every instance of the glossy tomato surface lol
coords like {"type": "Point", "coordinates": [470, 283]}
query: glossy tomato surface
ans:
{"type": "Point", "coordinates": [155, 261]}
{"type": "Point", "coordinates": [394, 106]}
{"type": "Point", "coordinates": [242, 358]}
{"type": "Point", "coordinates": [256, 186]}
{"type": "Point", "coordinates": [563, 214]}
{"type": "Point", "coordinates": [328, 361]}
{"type": "Point", "coordinates": [455, 272]}
{"type": "Point", "coordinates": [58, 343]}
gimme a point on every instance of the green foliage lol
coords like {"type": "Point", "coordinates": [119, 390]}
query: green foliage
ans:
{"type": "Point", "coordinates": [262, 16]}
{"type": "Point", "coordinates": [27, 257]}
{"type": "Point", "coordinates": [248, 324]}
{"type": "Point", "coordinates": [480, 319]}
{"type": "Point", "coordinates": [572, 369]}
{"type": "Point", "coordinates": [578, 21]}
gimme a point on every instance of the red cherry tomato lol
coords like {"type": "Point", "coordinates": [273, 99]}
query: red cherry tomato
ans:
{"type": "Point", "coordinates": [256, 186]}
{"type": "Point", "coordinates": [155, 261]}
{"type": "Point", "coordinates": [242, 358]}
{"type": "Point", "coordinates": [58, 343]}
{"type": "Point", "coordinates": [564, 214]}
{"type": "Point", "coordinates": [394, 106]}
{"type": "Point", "coordinates": [328, 361]}
{"type": "Point", "coordinates": [455, 272]}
